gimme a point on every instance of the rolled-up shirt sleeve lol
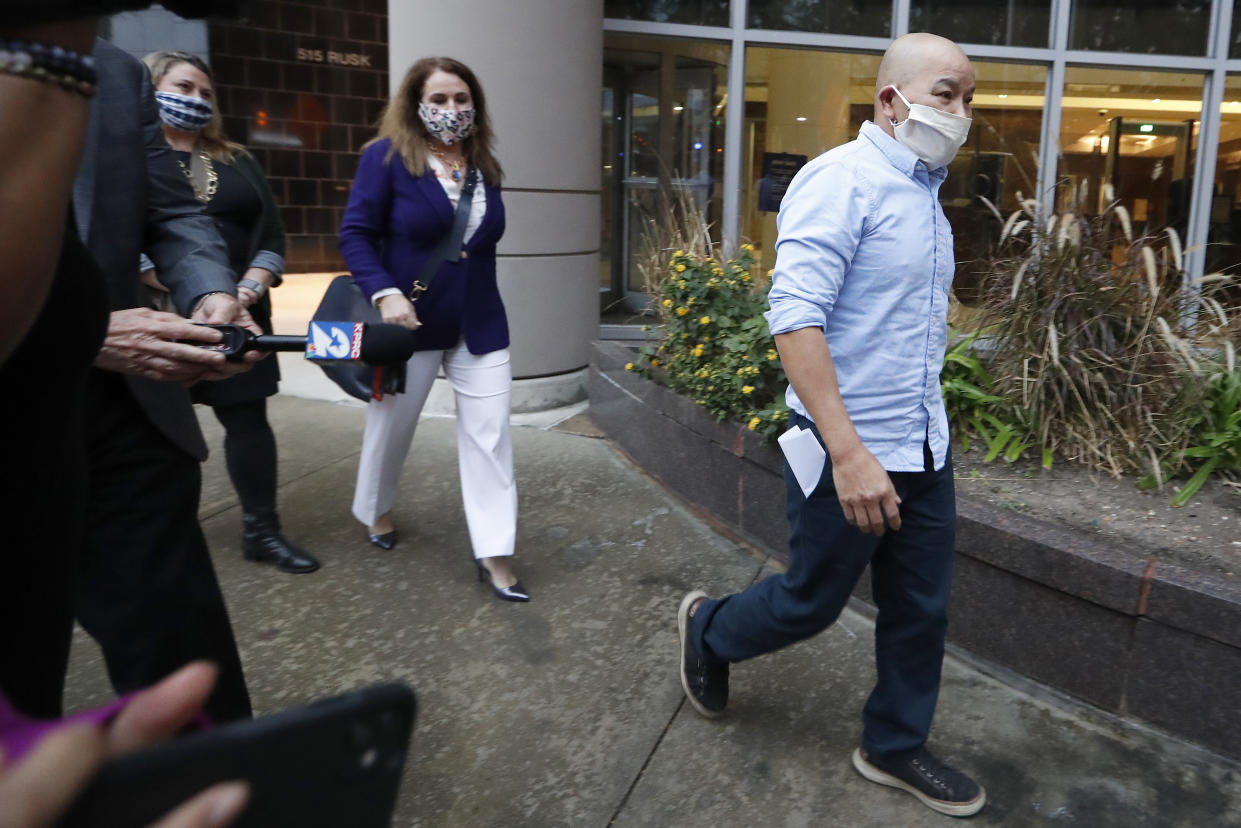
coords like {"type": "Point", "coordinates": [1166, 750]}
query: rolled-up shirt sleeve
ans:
{"type": "Point", "coordinates": [272, 262]}
{"type": "Point", "coordinates": [822, 219]}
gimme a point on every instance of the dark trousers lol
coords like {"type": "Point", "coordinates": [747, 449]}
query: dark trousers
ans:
{"type": "Point", "coordinates": [250, 454]}
{"type": "Point", "coordinates": [911, 575]}
{"type": "Point", "coordinates": [147, 589]}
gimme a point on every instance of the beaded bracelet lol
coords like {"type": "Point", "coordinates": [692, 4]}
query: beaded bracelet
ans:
{"type": "Point", "coordinates": [50, 64]}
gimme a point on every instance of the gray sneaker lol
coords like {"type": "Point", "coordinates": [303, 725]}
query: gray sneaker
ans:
{"type": "Point", "coordinates": [705, 681]}
{"type": "Point", "coordinates": [936, 785]}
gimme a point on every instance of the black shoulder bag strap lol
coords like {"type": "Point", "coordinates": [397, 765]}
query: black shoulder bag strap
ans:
{"type": "Point", "coordinates": [449, 248]}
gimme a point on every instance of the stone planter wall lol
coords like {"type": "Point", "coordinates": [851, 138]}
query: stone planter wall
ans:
{"type": "Point", "coordinates": [1111, 626]}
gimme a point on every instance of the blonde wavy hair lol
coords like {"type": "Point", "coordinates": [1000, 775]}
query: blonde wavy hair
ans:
{"type": "Point", "coordinates": [400, 122]}
{"type": "Point", "coordinates": [212, 139]}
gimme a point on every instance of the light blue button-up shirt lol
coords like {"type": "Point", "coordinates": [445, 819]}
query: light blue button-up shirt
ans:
{"type": "Point", "coordinates": [865, 253]}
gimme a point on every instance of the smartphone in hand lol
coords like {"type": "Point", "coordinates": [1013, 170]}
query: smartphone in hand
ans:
{"type": "Point", "coordinates": [332, 763]}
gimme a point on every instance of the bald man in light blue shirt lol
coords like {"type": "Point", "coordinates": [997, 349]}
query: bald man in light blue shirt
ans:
{"type": "Point", "coordinates": [859, 300]}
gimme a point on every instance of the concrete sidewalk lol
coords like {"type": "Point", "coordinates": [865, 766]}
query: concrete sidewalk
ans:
{"type": "Point", "coordinates": [568, 712]}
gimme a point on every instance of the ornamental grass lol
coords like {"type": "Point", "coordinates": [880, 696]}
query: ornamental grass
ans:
{"type": "Point", "coordinates": [1093, 348]}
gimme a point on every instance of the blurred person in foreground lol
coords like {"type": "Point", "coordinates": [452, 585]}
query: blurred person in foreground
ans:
{"type": "Point", "coordinates": [859, 299]}
{"type": "Point", "coordinates": [230, 184]}
{"type": "Point", "coordinates": [433, 154]}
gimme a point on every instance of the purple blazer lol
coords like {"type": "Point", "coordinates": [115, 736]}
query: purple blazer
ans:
{"type": "Point", "coordinates": [391, 224]}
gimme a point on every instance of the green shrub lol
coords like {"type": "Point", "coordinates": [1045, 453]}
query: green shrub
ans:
{"type": "Point", "coordinates": [715, 346]}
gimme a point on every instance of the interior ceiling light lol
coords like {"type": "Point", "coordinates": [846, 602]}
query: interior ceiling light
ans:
{"type": "Point", "coordinates": [801, 117]}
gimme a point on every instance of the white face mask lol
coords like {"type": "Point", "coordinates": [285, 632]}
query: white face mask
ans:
{"type": "Point", "coordinates": [931, 134]}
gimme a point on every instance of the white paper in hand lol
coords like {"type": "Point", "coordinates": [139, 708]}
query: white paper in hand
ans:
{"type": "Point", "coordinates": [805, 455]}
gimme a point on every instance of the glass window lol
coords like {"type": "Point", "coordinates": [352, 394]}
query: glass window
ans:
{"type": "Point", "coordinates": [1234, 51]}
{"type": "Point", "coordinates": [1006, 22]}
{"type": "Point", "coordinates": [998, 163]}
{"type": "Point", "coordinates": [850, 17]}
{"type": "Point", "coordinates": [1224, 240]}
{"type": "Point", "coordinates": [1171, 27]}
{"type": "Point", "coordinates": [665, 110]}
{"type": "Point", "coordinates": [700, 12]}
{"type": "Point", "coordinates": [799, 103]}
{"type": "Point", "coordinates": [1135, 130]}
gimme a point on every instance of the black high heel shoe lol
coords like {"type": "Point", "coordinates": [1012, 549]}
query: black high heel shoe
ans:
{"type": "Point", "coordinates": [516, 592]}
{"type": "Point", "coordinates": [386, 540]}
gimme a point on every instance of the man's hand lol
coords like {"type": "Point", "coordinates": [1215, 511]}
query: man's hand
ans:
{"type": "Point", "coordinates": [865, 491]}
{"type": "Point", "coordinates": [398, 310]}
{"type": "Point", "coordinates": [143, 342]}
{"type": "Point", "coordinates": [36, 791]}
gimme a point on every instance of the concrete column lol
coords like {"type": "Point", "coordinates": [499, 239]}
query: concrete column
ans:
{"type": "Point", "coordinates": [540, 63]}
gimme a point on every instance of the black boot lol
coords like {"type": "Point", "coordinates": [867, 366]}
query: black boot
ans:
{"type": "Point", "coordinates": [261, 541]}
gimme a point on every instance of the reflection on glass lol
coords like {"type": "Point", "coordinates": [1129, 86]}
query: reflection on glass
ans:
{"type": "Point", "coordinates": [667, 127]}
{"type": "Point", "coordinates": [998, 22]}
{"type": "Point", "coordinates": [857, 17]}
{"type": "Point", "coordinates": [998, 163]}
{"type": "Point", "coordinates": [699, 12]}
{"type": "Point", "coordinates": [1172, 27]}
{"type": "Point", "coordinates": [799, 103]}
{"type": "Point", "coordinates": [1135, 130]}
{"type": "Point", "coordinates": [1224, 239]}
{"type": "Point", "coordinates": [608, 154]}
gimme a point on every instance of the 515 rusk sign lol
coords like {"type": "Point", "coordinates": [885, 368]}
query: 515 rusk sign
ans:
{"type": "Point", "coordinates": [355, 59]}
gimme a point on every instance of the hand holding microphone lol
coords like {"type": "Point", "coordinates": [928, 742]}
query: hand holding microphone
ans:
{"type": "Point", "coordinates": [377, 344]}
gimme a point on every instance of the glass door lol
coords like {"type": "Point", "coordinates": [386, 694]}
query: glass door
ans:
{"type": "Point", "coordinates": [663, 142]}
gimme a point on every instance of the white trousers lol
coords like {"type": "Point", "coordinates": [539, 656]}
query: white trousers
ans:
{"type": "Point", "coordinates": [482, 385]}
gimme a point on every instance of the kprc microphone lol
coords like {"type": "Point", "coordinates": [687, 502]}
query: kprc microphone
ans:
{"type": "Point", "coordinates": [374, 344]}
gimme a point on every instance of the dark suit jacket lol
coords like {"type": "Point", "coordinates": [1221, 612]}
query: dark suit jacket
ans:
{"type": "Point", "coordinates": [130, 196]}
{"type": "Point", "coordinates": [392, 223]}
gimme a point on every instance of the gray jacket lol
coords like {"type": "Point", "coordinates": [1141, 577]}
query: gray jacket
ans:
{"type": "Point", "coordinates": [130, 196]}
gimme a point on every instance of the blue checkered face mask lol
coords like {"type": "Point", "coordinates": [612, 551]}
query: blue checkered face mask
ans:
{"type": "Point", "coordinates": [183, 112]}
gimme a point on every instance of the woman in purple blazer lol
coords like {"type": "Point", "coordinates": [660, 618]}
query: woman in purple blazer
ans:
{"type": "Point", "coordinates": [434, 143]}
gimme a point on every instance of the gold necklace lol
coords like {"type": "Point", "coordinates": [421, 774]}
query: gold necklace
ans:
{"type": "Point", "coordinates": [213, 178]}
{"type": "Point", "coordinates": [455, 168]}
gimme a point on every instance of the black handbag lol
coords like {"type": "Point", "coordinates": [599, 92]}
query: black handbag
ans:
{"type": "Point", "coordinates": [343, 301]}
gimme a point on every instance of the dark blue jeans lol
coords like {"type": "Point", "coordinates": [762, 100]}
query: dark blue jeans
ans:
{"type": "Point", "coordinates": [911, 575]}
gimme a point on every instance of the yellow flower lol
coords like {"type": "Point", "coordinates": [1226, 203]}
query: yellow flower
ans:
{"type": "Point", "coordinates": [681, 284]}
{"type": "Point", "coordinates": [745, 278]}
{"type": "Point", "coordinates": [685, 336]}
{"type": "Point", "coordinates": [754, 423]}
{"type": "Point", "coordinates": [770, 272]}
{"type": "Point", "coordinates": [712, 282]}
{"type": "Point", "coordinates": [747, 247]}
{"type": "Point", "coordinates": [747, 389]}
{"type": "Point", "coordinates": [697, 351]}
{"type": "Point", "coordinates": [628, 366]}
{"type": "Point", "coordinates": [706, 339]}
{"type": "Point", "coordinates": [706, 320]}
{"type": "Point", "coordinates": [772, 354]}
{"type": "Point", "coordinates": [732, 282]}
{"type": "Point", "coordinates": [689, 301]}
{"type": "Point", "coordinates": [678, 253]}
{"type": "Point", "coordinates": [667, 303]}
{"type": "Point", "coordinates": [682, 311]}
{"type": "Point", "coordinates": [680, 268]}
{"type": "Point", "coordinates": [654, 362]}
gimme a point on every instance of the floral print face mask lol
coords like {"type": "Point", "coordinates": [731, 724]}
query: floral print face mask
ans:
{"type": "Point", "coordinates": [447, 125]}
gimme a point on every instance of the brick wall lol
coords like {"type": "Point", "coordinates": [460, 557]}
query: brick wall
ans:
{"type": "Point", "coordinates": [302, 84]}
